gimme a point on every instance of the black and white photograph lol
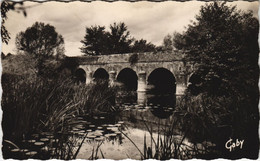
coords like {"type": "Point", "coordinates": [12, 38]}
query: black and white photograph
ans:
{"type": "Point", "coordinates": [129, 80]}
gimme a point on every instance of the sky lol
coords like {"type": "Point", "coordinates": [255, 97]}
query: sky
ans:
{"type": "Point", "coordinates": [148, 20]}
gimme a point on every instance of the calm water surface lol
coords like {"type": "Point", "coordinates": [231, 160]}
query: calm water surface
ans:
{"type": "Point", "coordinates": [112, 134]}
{"type": "Point", "coordinates": [140, 111]}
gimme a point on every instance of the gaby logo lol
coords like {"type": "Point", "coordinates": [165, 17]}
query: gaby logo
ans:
{"type": "Point", "coordinates": [231, 145]}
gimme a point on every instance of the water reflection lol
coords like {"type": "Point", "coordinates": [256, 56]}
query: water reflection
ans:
{"type": "Point", "coordinates": [161, 105]}
{"type": "Point", "coordinates": [140, 111]}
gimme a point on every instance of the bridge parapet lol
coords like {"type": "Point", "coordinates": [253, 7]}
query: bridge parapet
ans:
{"type": "Point", "coordinates": [174, 62]}
{"type": "Point", "coordinates": [124, 58]}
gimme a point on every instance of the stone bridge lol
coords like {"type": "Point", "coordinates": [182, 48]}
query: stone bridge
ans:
{"type": "Point", "coordinates": [146, 69]}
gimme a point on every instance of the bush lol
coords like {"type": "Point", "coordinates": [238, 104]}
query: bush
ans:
{"type": "Point", "coordinates": [216, 119]}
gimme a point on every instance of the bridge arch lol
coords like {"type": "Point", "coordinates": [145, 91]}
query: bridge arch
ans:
{"type": "Point", "coordinates": [80, 75]}
{"type": "Point", "coordinates": [100, 74]}
{"type": "Point", "coordinates": [128, 78]}
{"type": "Point", "coordinates": [161, 80]}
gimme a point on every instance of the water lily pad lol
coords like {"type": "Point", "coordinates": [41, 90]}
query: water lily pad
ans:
{"type": "Point", "coordinates": [99, 127]}
{"type": "Point", "coordinates": [15, 150]}
{"type": "Point", "coordinates": [107, 135]}
{"type": "Point", "coordinates": [89, 130]}
{"type": "Point", "coordinates": [113, 134]}
{"type": "Point", "coordinates": [31, 141]}
{"type": "Point", "coordinates": [117, 132]}
{"type": "Point", "coordinates": [120, 122]}
{"type": "Point", "coordinates": [45, 148]}
{"type": "Point", "coordinates": [98, 134]}
{"type": "Point", "coordinates": [79, 126]}
{"type": "Point", "coordinates": [92, 126]}
{"type": "Point", "coordinates": [44, 139]}
{"type": "Point", "coordinates": [99, 138]}
{"type": "Point", "coordinates": [99, 131]}
{"type": "Point", "coordinates": [39, 143]}
{"type": "Point", "coordinates": [50, 136]}
{"type": "Point", "coordinates": [81, 131]}
{"type": "Point", "coordinates": [91, 136]}
{"type": "Point", "coordinates": [24, 150]}
{"type": "Point", "coordinates": [31, 153]}
{"type": "Point", "coordinates": [113, 128]}
{"type": "Point", "coordinates": [102, 118]}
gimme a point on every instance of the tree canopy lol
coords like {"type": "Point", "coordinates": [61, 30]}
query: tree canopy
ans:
{"type": "Point", "coordinates": [143, 46]}
{"type": "Point", "coordinates": [40, 40]}
{"type": "Point", "coordinates": [117, 40]}
{"type": "Point", "coordinates": [43, 43]}
{"type": "Point", "coordinates": [223, 43]}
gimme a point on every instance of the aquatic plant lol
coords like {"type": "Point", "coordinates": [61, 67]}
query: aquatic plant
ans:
{"type": "Point", "coordinates": [50, 105]}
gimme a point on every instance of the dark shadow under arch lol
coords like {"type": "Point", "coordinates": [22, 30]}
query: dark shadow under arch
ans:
{"type": "Point", "coordinates": [80, 75]}
{"type": "Point", "coordinates": [100, 74]}
{"type": "Point", "coordinates": [162, 81]}
{"type": "Point", "coordinates": [129, 78]}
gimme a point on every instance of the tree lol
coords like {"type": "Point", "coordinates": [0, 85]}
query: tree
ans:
{"type": "Point", "coordinates": [119, 38]}
{"type": "Point", "coordinates": [42, 42]}
{"type": "Point", "coordinates": [143, 46]}
{"type": "Point", "coordinates": [95, 41]}
{"type": "Point", "coordinates": [5, 7]}
{"type": "Point", "coordinates": [222, 42]}
{"type": "Point", "coordinates": [168, 43]}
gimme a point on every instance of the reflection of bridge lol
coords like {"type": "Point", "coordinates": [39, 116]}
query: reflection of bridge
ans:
{"type": "Point", "coordinates": [138, 71]}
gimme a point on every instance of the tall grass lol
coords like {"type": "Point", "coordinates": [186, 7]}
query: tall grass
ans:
{"type": "Point", "coordinates": [213, 120]}
{"type": "Point", "coordinates": [50, 105]}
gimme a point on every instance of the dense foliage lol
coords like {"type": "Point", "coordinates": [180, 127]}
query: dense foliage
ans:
{"type": "Point", "coordinates": [222, 43]}
{"type": "Point", "coordinates": [33, 104]}
{"type": "Point", "coordinates": [5, 7]}
{"type": "Point", "coordinates": [98, 41]}
{"type": "Point", "coordinates": [42, 42]}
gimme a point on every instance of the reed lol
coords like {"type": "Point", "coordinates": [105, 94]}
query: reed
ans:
{"type": "Point", "coordinates": [50, 105]}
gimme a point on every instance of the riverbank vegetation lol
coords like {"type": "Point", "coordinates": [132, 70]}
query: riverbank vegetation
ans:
{"type": "Point", "coordinates": [223, 105]}
{"type": "Point", "coordinates": [45, 108]}
{"type": "Point", "coordinates": [35, 105]}
{"type": "Point", "coordinates": [223, 43]}
{"type": "Point", "coordinates": [43, 101]}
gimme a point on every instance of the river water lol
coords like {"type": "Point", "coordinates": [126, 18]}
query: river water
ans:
{"type": "Point", "coordinates": [141, 113]}
{"type": "Point", "coordinates": [120, 136]}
